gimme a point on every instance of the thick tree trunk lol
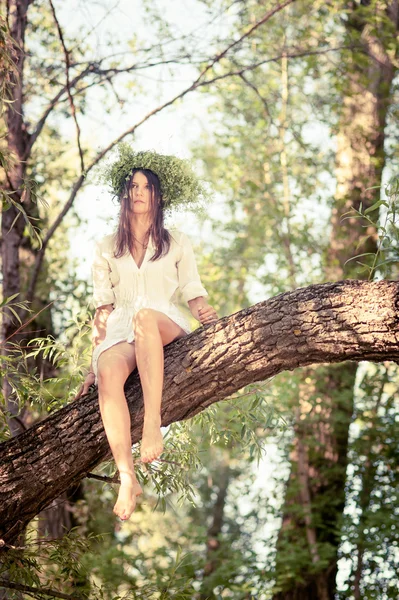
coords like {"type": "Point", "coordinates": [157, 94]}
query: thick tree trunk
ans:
{"type": "Point", "coordinates": [16, 253]}
{"type": "Point", "coordinates": [12, 226]}
{"type": "Point", "coordinates": [12, 223]}
{"type": "Point", "coordinates": [315, 495]}
{"type": "Point", "coordinates": [319, 456]}
{"type": "Point", "coordinates": [59, 516]}
{"type": "Point", "coordinates": [360, 157]}
{"type": "Point", "coordinates": [335, 322]}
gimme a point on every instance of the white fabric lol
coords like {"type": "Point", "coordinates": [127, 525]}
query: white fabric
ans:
{"type": "Point", "coordinates": [119, 281]}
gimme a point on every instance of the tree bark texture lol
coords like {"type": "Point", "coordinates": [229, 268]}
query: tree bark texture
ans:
{"type": "Point", "coordinates": [17, 253]}
{"type": "Point", "coordinates": [12, 223]}
{"type": "Point", "coordinates": [360, 156]}
{"type": "Point", "coordinates": [334, 322]}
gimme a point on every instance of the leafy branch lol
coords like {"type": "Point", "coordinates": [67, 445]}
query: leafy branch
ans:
{"type": "Point", "coordinates": [388, 232]}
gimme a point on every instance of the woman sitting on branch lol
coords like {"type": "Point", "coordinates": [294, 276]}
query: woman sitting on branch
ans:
{"type": "Point", "coordinates": [136, 272]}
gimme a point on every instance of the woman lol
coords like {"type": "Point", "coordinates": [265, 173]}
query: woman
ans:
{"type": "Point", "coordinates": [136, 272]}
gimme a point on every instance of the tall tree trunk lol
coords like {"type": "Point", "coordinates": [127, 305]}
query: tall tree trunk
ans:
{"type": "Point", "coordinates": [12, 223]}
{"type": "Point", "coordinates": [215, 529]}
{"type": "Point", "coordinates": [16, 252]}
{"type": "Point", "coordinates": [12, 228]}
{"type": "Point", "coordinates": [315, 493]}
{"type": "Point", "coordinates": [368, 475]}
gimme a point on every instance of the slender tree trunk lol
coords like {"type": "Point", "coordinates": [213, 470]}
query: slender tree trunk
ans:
{"type": "Point", "coordinates": [368, 475]}
{"type": "Point", "coordinates": [215, 529]}
{"type": "Point", "coordinates": [319, 455]}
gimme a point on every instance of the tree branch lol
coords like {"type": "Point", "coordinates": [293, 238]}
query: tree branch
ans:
{"type": "Point", "coordinates": [326, 323]}
{"type": "Point", "coordinates": [245, 35]}
{"type": "Point", "coordinates": [68, 86]}
{"type": "Point", "coordinates": [37, 592]}
{"type": "Point", "coordinates": [42, 121]}
{"type": "Point", "coordinates": [78, 184]}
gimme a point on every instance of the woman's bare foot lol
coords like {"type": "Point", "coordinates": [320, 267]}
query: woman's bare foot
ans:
{"type": "Point", "coordinates": [128, 490]}
{"type": "Point", "coordinates": [151, 441]}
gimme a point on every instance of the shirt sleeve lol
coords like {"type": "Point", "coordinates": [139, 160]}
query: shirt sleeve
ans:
{"type": "Point", "coordinates": [102, 286]}
{"type": "Point", "coordinates": [190, 284]}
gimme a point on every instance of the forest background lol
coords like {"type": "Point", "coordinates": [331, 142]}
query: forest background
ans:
{"type": "Point", "coordinates": [287, 490]}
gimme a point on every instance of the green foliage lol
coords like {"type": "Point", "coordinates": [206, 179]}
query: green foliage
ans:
{"type": "Point", "coordinates": [241, 423]}
{"type": "Point", "coordinates": [29, 193]}
{"type": "Point", "coordinates": [179, 184]}
{"type": "Point", "coordinates": [370, 532]}
{"type": "Point", "coordinates": [270, 160]}
{"type": "Point", "coordinates": [385, 260]}
{"type": "Point", "coordinates": [67, 358]}
{"type": "Point", "coordinates": [8, 69]}
{"type": "Point", "coordinates": [61, 560]}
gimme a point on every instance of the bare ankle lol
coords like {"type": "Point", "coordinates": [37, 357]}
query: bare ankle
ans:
{"type": "Point", "coordinates": [152, 420]}
{"type": "Point", "coordinates": [127, 477]}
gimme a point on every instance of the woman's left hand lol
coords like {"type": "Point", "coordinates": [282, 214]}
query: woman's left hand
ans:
{"type": "Point", "coordinates": [90, 378]}
{"type": "Point", "coordinates": [206, 314]}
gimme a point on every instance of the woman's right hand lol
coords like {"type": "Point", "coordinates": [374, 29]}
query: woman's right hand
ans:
{"type": "Point", "coordinates": [90, 378]}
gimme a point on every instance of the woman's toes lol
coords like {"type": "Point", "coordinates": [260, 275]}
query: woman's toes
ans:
{"type": "Point", "coordinates": [126, 502]}
{"type": "Point", "coordinates": [145, 457]}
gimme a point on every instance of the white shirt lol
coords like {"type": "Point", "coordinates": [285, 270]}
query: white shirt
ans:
{"type": "Point", "coordinates": [120, 282]}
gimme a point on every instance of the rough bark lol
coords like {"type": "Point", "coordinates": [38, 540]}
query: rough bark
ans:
{"type": "Point", "coordinates": [12, 223]}
{"type": "Point", "coordinates": [326, 323]}
{"type": "Point", "coordinates": [16, 252]}
{"type": "Point", "coordinates": [360, 156]}
{"type": "Point", "coordinates": [315, 495]}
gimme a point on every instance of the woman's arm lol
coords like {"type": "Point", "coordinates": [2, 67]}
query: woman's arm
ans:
{"type": "Point", "coordinates": [190, 285]}
{"type": "Point", "coordinates": [100, 326]}
{"type": "Point", "coordinates": [98, 334]}
{"type": "Point", "coordinates": [103, 298]}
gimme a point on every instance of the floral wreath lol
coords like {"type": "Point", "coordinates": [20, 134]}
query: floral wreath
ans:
{"type": "Point", "coordinates": [179, 184]}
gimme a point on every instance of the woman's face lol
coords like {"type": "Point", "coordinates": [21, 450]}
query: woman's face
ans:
{"type": "Point", "coordinates": [140, 194]}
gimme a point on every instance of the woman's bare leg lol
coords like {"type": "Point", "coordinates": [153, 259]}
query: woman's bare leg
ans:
{"type": "Point", "coordinates": [114, 366]}
{"type": "Point", "coordinates": [152, 330]}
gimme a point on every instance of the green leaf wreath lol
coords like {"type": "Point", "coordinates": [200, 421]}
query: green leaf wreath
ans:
{"type": "Point", "coordinates": [179, 184]}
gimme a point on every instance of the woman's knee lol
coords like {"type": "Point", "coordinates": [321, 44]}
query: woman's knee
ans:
{"type": "Point", "coordinates": [144, 318]}
{"type": "Point", "coordinates": [115, 364]}
{"type": "Point", "coordinates": [110, 375]}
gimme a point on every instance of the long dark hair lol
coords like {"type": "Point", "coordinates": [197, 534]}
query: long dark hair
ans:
{"type": "Point", "coordinates": [125, 242]}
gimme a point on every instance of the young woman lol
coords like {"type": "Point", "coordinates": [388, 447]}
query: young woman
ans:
{"type": "Point", "coordinates": [136, 272]}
